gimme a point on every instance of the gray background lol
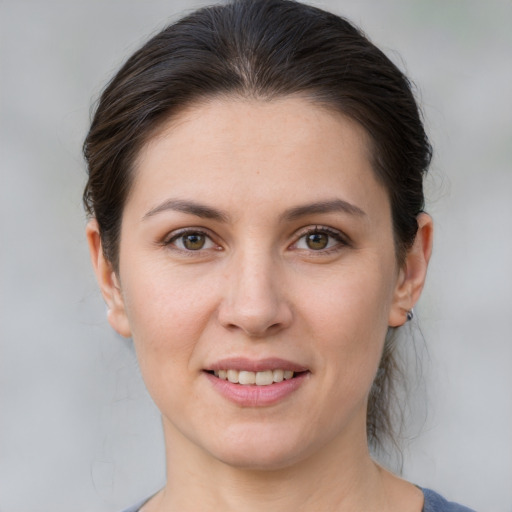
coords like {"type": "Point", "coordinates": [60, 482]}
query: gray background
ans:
{"type": "Point", "coordinates": [77, 429]}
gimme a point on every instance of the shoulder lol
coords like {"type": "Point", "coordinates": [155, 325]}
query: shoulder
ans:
{"type": "Point", "coordinates": [433, 503]}
{"type": "Point", "coordinates": [436, 503]}
{"type": "Point", "coordinates": [132, 509]}
{"type": "Point", "coordinates": [136, 508]}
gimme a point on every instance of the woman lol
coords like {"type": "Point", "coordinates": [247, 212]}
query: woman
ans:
{"type": "Point", "coordinates": [257, 228]}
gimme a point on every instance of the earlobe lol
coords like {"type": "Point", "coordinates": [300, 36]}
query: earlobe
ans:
{"type": "Point", "coordinates": [412, 275]}
{"type": "Point", "coordinates": [108, 281]}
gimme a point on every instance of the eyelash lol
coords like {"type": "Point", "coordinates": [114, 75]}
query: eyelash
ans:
{"type": "Point", "coordinates": [341, 239]}
{"type": "Point", "coordinates": [177, 235]}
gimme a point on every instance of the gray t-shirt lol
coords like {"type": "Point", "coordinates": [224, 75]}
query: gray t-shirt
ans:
{"type": "Point", "coordinates": [433, 503]}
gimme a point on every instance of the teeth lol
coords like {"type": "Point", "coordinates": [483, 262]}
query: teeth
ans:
{"type": "Point", "coordinates": [278, 375]}
{"type": "Point", "coordinates": [233, 376]}
{"type": "Point", "coordinates": [264, 378]}
{"type": "Point", "coordinates": [245, 378]}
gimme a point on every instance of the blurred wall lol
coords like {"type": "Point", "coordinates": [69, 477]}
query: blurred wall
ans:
{"type": "Point", "coordinates": [77, 429]}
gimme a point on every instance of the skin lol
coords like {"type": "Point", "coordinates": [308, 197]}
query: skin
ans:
{"type": "Point", "coordinates": [257, 289]}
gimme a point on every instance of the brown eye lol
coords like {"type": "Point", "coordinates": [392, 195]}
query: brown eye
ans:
{"type": "Point", "coordinates": [193, 241]}
{"type": "Point", "coordinates": [317, 241]}
{"type": "Point", "coordinates": [323, 240]}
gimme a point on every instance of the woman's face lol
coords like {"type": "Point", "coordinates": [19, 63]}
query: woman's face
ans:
{"type": "Point", "coordinates": [256, 241]}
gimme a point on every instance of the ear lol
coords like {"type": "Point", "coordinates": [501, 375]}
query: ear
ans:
{"type": "Point", "coordinates": [411, 277]}
{"type": "Point", "coordinates": [108, 281]}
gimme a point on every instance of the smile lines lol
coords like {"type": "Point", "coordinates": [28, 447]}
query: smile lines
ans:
{"type": "Point", "coordinates": [264, 378]}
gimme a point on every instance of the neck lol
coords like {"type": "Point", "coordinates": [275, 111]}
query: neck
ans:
{"type": "Point", "coordinates": [341, 478]}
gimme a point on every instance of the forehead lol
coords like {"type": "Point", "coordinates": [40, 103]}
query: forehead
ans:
{"type": "Point", "coordinates": [234, 150]}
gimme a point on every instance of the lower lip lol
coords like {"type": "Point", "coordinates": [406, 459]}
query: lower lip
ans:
{"type": "Point", "coordinates": [256, 396]}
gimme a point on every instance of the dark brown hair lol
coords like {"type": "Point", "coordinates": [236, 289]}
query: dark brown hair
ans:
{"type": "Point", "coordinates": [263, 49]}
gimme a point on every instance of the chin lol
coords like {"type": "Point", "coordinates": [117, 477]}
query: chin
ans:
{"type": "Point", "coordinates": [257, 460]}
{"type": "Point", "coordinates": [259, 452]}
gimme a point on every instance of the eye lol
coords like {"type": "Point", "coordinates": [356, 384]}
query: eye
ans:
{"type": "Point", "coordinates": [191, 240]}
{"type": "Point", "coordinates": [320, 239]}
{"type": "Point", "coordinates": [317, 241]}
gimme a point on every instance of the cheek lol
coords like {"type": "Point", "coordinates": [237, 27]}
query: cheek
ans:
{"type": "Point", "coordinates": [166, 317]}
{"type": "Point", "coordinates": [166, 323]}
{"type": "Point", "coordinates": [352, 300]}
{"type": "Point", "coordinates": [347, 317]}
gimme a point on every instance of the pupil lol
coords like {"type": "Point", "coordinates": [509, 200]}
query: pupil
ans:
{"type": "Point", "coordinates": [194, 241]}
{"type": "Point", "coordinates": [317, 241]}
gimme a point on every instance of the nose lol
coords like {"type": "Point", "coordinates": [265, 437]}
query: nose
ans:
{"type": "Point", "coordinates": [254, 300]}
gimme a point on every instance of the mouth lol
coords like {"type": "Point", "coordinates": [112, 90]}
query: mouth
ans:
{"type": "Point", "coordinates": [256, 382]}
{"type": "Point", "coordinates": [258, 378]}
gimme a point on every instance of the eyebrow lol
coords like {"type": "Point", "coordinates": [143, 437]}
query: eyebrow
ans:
{"type": "Point", "coordinates": [191, 207]}
{"type": "Point", "coordinates": [208, 212]}
{"type": "Point", "coordinates": [333, 206]}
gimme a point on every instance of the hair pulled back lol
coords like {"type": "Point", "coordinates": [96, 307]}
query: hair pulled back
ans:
{"type": "Point", "coordinates": [262, 49]}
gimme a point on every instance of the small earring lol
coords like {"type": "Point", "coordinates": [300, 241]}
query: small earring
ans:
{"type": "Point", "coordinates": [410, 314]}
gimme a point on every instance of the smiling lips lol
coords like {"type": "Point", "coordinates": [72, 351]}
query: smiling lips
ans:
{"type": "Point", "coordinates": [244, 377]}
{"type": "Point", "coordinates": [256, 383]}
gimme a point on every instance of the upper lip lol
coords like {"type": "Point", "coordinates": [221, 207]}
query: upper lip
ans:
{"type": "Point", "coordinates": [255, 365]}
